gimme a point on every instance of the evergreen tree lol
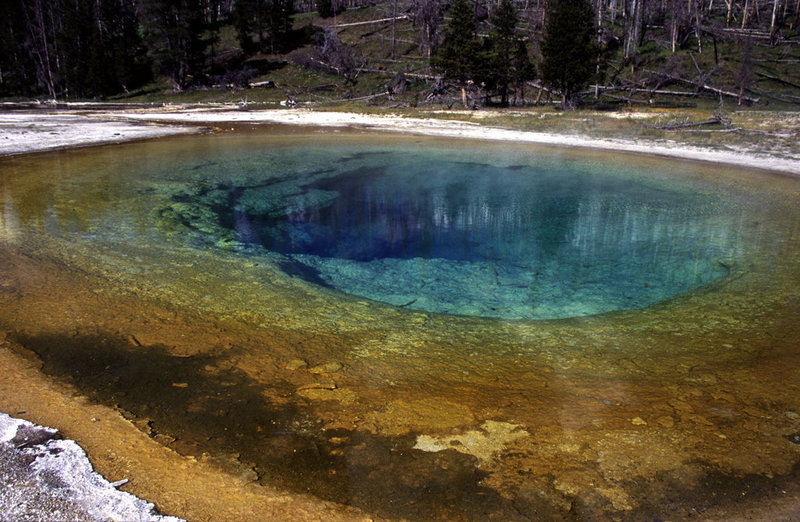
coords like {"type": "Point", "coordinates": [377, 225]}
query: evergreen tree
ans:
{"type": "Point", "coordinates": [270, 20]}
{"type": "Point", "coordinates": [70, 48]}
{"type": "Point", "coordinates": [17, 68]}
{"type": "Point", "coordinates": [460, 56]}
{"type": "Point", "coordinates": [80, 66]}
{"type": "Point", "coordinates": [279, 23]}
{"type": "Point", "coordinates": [325, 8]}
{"type": "Point", "coordinates": [125, 47]}
{"type": "Point", "coordinates": [523, 69]}
{"type": "Point", "coordinates": [39, 41]}
{"type": "Point", "coordinates": [246, 19]}
{"type": "Point", "coordinates": [174, 30]}
{"type": "Point", "coordinates": [502, 48]}
{"type": "Point", "coordinates": [569, 49]}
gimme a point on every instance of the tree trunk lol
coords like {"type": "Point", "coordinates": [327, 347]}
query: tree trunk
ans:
{"type": "Point", "coordinates": [599, 24]}
{"type": "Point", "coordinates": [674, 32]}
{"type": "Point", "coordinates": [744, 13]}
{"type": "Point", "coordinates": [633, 28]}
{"type": "Point", "coordinates": [544, 14]}
{"type": "Point", "coordinates": [38, 30]}
{"type": "Point", "coordinates": [772, 23]}
{"type": "Point", "coordinates": [394, 32]}
{"type": "Point", "coordinates": [697, 26]}
{"type": "Point", "coordinates": [796, 14]}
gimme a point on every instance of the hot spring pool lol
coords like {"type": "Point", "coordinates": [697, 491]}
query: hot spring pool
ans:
{"type": "Point", "coordinates": [421, 327]}
{"type": "Point", "coordinates": [524, 235]}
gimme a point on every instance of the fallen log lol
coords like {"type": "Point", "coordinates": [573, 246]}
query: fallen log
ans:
{"type": "Point", "coordinates": [703, 85]}
{"type": "Point", "coordinates": [379, 21]}
{"type": "Point", "coordinates": [665, 92]}
{"type": "Point", "coordinates": [628, 99]}
{"type": "Point", "coordinates": [716, 119]}
{"type": "Point", "coordinates": [780, 80]}
{"type": "Point", "coordinates": [393, 73]}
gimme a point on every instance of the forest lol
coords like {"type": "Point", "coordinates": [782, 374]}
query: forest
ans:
{"type": "Point", "coordinates": [452, 52]}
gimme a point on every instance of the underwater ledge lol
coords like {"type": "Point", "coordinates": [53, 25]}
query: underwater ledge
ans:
{"type": "Point", "coordinates": [365, 390]}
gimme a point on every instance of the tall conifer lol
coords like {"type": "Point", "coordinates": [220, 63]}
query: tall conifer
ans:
{"type": "Point", "coordinates": [569, 48]}
{"type": "Point", "coordinates": [459, 58]}
{"type": "Point", "coordinates": [502, 48]}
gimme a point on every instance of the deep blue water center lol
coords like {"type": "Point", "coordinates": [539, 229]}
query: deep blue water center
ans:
{"type": "Point", "coordinates": [431, 230]}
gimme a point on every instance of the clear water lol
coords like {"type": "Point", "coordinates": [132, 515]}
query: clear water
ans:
{"type": "Point", "coordinates": [179, 282]}
{"type": "Point", "coordinates": [531, 236]}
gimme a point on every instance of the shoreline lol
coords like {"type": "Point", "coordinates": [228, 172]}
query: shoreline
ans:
{"type": "Point", "coordinates": [45, 474]}
{"type": "Point", "coordinates": [25, 131]}
{"type": "Point", "coordinates": [28, 132]}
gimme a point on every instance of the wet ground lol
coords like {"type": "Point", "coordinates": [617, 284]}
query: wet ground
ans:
{"type": "Point", "coordinates": [687, 408]}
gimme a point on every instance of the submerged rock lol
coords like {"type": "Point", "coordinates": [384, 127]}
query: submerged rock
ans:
{"type": "Point", "coordinates": [296, 364]}
{"type": "Point", "coordinates": [482, 444]}
{"type": "Point", "coordinates": [331, 367]}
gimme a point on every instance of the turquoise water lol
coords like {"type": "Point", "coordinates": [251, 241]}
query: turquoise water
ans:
{"type": "Point", "coordinates": [507, 234]}
{"type": "Point", "coordinates": [213, 290]}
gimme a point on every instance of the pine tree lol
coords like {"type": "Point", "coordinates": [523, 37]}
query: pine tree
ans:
{"type": "Point", "coordinates": [459, 58]}
{"type": "Point", "coordinates": [279, 15]}
{"type": "Point", "coordinates": [77, 40]}
{"type": "Point", "coordinates": [125, 47]}
{"type": "Point", "coordinates": [174, 30]}
{"type": "Point", "coordinates": [523, 69]}
{"type": "Point", "coordinates": [325, 8]}
{"type": "Point", "coordinates": [569, 48]}
{"type": "Point", "coordinates": [271, 20]}
{"type": "Point", "coordinates": [17, 68]}
{"type": "Point", "coordinates": [502, 48]}
{"type": "Point", "coordinates": [246, 19]}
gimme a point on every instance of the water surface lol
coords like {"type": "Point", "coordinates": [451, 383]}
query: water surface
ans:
{"type": "Point", "coordinates": [422, 328]}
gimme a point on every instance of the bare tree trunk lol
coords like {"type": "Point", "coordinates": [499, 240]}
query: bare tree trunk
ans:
{"type": "Point", "coordinates": [674, 33]}
{"type": "Point", "coordinates": [697, 24]}
{"type": "Point", "coordinates": [796, 14]}
{"type": "Point", "coordinates": [674, 7]}
{"type": "Point", "coordinates": [599, 24]}
{"type": "Point", "coordinates": [631, 46]}
{"type": "Point", "coordinates": [38, 30]}
{"type": "Point", "coordinates": [428, 38]}
{"type": "Point", "coordinates": [544, 14]}
{"type": "Point", "coordinates": [772, 23]}
{"type": "Point", "coordinates": [744, 13]}
{"type": "Point", "coordinates": [394, 32]}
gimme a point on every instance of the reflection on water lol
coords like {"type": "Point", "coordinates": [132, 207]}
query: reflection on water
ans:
{"type": "Point", "coordinates": [537, 241]}
{"type": "Point", "coordinates": [208, 289]}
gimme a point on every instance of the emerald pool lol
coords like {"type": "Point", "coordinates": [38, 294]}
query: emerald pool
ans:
{"type": "Point", "coordinates": [517, 236]}
{"type": "Point", "coordinates": [410, 327]}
